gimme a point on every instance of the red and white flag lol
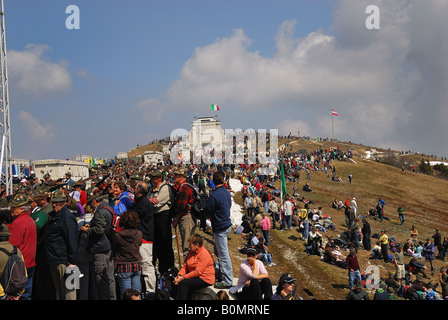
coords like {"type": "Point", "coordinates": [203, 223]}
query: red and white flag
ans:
{"type": "Point", "coordinates": [334, 113]}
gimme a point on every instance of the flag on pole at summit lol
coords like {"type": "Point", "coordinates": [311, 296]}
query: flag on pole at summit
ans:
{"type": "Point", "coordinates": [215, 107]}
{"type": "Point", "coordinates": [283, 182]}
{"type": "Point", "coordinates": [334, 113]}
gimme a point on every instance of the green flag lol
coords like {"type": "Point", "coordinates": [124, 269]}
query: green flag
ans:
{"type": "Point", "coordinates": [283, 187]}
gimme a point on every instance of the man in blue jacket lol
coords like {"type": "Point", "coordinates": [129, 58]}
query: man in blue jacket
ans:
{"type": "Point", "coordinates": [218, 208]}
{"type": "Point", "coordinates": [61, 245]}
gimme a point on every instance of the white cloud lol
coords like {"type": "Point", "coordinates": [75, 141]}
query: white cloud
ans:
{"type": "Point", "coordinates": [32, 73]}
{"type": "Point", "coordinates": [36, 131]}
{"type": "Point", "coordinates": [382, 82]}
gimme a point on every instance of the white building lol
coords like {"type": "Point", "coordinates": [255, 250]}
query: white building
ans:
{"type": "Point", "coordinates": [122, 155]}
{"type": "Point", "coordinates": [153, 157]}
{"type": "Point", "coordinates": [206, 131]}
{"type": "Point", "coordinates": [58, 168]}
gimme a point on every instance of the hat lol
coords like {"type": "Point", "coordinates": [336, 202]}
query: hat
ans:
{"type": "Point", "coordinates": [251, 251]}
{"type": "Point", "coordinates": [4, 231]}
{"type": "Point", "coordinates": [136, 177]}
{"type": "Point", "coordinates": [47, 176]}
{"type": "Point", "coordinates": [180, 173]}
{"type": "Point", "coordinates": [19, 200]}
{"type": "Point", "coordinates": [358, 285]}
{"type": "Point", "coordinates": [285, 278]}
{"type": "Point", "coordinates": [79, 184]}
{"type": "Point", "coordinates": [59, 196]}
{"type": "Point", "coordinates": [156, 173]}
{"type": "Point", "coordinates": [38, 196]}
{"type": "Point", "coordinates": [68, 174]}
{"type": "Point", "coordinates": [4, 202]}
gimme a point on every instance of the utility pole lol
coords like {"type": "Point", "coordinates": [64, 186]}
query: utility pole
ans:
{"type": "Point", "coordinates": [5, 131]}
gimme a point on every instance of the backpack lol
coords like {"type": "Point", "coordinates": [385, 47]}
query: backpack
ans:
{"type": "Point", "coordinates": [14, 276]}
{"type": "Point", "coordinates": [115, 225]}
{"type": "Point", "coordinates": [198, 206]}
{"type": "Point", "coordinates": [430, 295]}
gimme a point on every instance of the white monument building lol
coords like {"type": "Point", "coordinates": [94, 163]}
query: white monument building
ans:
{"type": "Point", "coordinates": [206, 131]}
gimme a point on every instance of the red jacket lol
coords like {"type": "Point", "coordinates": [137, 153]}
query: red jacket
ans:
{"type": "Point", "coordinates": [24, 236]}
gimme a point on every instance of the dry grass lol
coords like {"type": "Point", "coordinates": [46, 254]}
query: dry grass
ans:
{"type": "Point", "coordinates": [423, 197]}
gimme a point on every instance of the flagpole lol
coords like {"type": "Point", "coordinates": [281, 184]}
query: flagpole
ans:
{"type": "Point", "coordinates": [332, 125]}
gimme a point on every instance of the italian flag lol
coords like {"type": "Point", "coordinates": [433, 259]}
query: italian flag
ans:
{"type": "Point", "coordinates": [215, 107]}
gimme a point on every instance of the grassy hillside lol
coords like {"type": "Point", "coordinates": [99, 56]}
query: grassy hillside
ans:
{"type": "Point", "coordinates": [423, 197]}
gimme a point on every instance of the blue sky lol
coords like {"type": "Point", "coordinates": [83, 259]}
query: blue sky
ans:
{"type": "Point", "coordinates": [136, 70]}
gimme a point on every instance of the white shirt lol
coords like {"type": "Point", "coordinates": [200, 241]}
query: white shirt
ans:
{"type": "Point", "coordinates": [287, 206]}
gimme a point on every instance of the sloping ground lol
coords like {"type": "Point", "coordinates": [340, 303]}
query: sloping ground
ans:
{"type": "Point", "coordinates": [423, 197]}
{"type": "Point", "coordinates": [140, 150]}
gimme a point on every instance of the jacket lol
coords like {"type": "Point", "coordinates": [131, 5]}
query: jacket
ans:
{"type": "Point", "coordinates": [199, 264]}
{"type": "Point", "coordinates": [124, 204]}
{"type": "Point", "coordinates": [24, 236]}
{"type": "Point", "coordinates": [218, 208]}
{"type": "Point", "coordinates": [61, 238]}
{"type": "Point", "coordinates": [100, 228]}
{"type": "Point", "coordinates": [126, 245]}
{"type": "Point", "coordinates": [145, 211]}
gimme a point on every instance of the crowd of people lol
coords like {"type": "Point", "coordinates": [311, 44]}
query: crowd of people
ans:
{"type": "Point", "coordinates": [110, 237]}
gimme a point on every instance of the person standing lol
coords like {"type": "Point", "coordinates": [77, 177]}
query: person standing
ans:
{"type": "Point", "coordinates": [349, 216]}
{"type": "Point", "coordinates": [354, 274]}
{"type": "Point", "coordinates": [144, 208]}
{"type": "Point", "coordinates": [366, 231]}
{"type": "Point", "coordinates": [354, 205]}
{"type": "Point", "coordinates": [401, 215]}
{"type": "Point", "coordinates": [287, 215]}
{"type": "Point", "coordinates": [248, 205]}
{"type": "Point", "coordinates": [218, 209]}
{"type": "Point", "coordinates": [161, 197]}
{"type": "Point", "coordinates": [24, 236]}
{"type": "Point", "coordinates": [399, 264]}
{"type": "Point", "coordinates": [428, 253]}
{"type": "Point", "coordinates": [42, 286]}
{"type": "Point", "coordinates": [414, 235]}
{"type": "Point", "coordinates": [61, 245]}
{"type": "Point", "coordinates": [182, 209]}
{"type": "Point", "coordinates": [265, 227]}
{"type": "Point", "coordinates": [384, 242]}
{"type": "Point", "coordinates": [380, 209]}
{"type": "Point", "coordinates": [355, 233]}
{"type": "Point", "coordinates": [437, 236]}
{"type": "Point", "coordinates": [99, 246]}
{"type": "Point", "coordinates": [273, 209]}
{"type": "Point", "coordinates": [126, 247]}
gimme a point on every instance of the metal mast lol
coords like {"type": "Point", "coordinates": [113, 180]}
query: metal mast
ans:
{"type": "Point", "coordinates": [5, 132]}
